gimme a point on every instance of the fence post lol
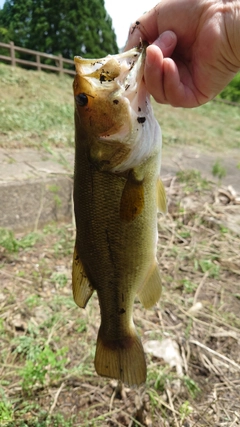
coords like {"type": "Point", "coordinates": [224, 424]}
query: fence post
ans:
{"type": "Point", "coordinates": [12, 52]}
{"type": "Point", "coordinates": [38, 62]}
{"type": "Point", "coordinates": [60, 64]}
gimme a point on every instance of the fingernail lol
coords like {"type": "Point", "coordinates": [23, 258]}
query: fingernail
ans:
{"type": "Point", "coordinates": [165, 40]}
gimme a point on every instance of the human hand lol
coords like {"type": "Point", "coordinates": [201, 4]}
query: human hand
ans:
{"type": "Point", "coordinates": [194, 49]}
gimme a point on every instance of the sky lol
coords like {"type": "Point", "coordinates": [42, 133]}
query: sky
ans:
{"type": "Point", "coordinates": [123, 14]}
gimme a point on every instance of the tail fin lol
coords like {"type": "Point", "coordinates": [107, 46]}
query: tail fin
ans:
{"type": "Point", "coordinates": [121, 359]}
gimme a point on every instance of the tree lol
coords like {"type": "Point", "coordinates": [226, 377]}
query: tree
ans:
{"type": "Point", "coordinates": [67, 27]}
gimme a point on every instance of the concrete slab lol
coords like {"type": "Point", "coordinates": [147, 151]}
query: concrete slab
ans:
{"type": "Point", "coordinates": [36, 186]}
{"type": "Point", "coordinates": [174, 160]}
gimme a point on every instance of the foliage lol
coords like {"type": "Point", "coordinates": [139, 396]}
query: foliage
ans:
{"type": "Point", "coordinates": [185, 410]}
{"type": "Point", "coordinates": [218, 170]}
{"type": "Point", "coordinates": [11, 244]}
{"type": "Point", "coordinates": [42, 365]}
{"type": "Point", "coordinates": [67, 27]}
{"type": "Point", "coordinates": [48, 343]}
{"type": "Point", "coordinates": [6, 410]}
{"type": "Point", "coordinates": [192, 179]}
{"type": "Point", "coordinates": [192, 387]}
{"type": "Point", "coordinates": [232, 91]}
{"type": "Point", "coordinates": [42, 111]}
{"type": "Point", "coordinates": [42, 116]}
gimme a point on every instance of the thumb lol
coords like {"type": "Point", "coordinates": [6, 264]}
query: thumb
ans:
{"type": "Point", "coordinates": [166, 42]}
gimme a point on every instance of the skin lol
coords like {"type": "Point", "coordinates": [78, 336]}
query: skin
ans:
{"type": "Point", "coordinates": [194, 49]}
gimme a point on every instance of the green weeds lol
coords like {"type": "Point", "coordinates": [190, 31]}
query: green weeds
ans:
{"type": "Point", "coordinates": [42, 366]}
{"type": "Point", "coordinates": [185, 410]}
{"type": "Point", "coordinates": [208, 266]}
{"type": "Point", "coordinates": [13, 245]}
{"type": "Point", "coordinates": [218, 170]}
{"type": "Point", "coordinates": [193, 180]}
{"type": "Point", "coordinates": [213, 126]}
{"type": "Point", "coordinates": [42, 111]}
{"type": "Point", "coordinates": [191, 386]}
{"type": "Point", "coordinates": [48, 344]}
{"type": "Point", "coordinates": [59, 278]}
{"type": "Point", "coordinates": [42, 115]}
{"type": "Point", "coordinates": [55, 190]}
{"type": "Point", "coordinates": [188, 286]}
{"type": "Point", "coordinates": [6, 409]}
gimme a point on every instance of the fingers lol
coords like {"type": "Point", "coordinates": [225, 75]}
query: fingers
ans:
{"type": "Point", "coordinates": [153, 73]}
{"type": "Point", "coordinates": [134, 38]}
{"type": "Point", "coordinates": [163, 80]}
{"type": "Point", "coordinates": [167, 42]}
{"type": "Point", "coordinates": [166, 81]}
{"type": "Point", "coordinates": [162, 75]}
{"type": "Point", "coordinates": [176, 93]}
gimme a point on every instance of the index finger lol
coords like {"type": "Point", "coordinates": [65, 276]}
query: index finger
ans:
{"type": "Point", "coordinates": [135, 35]}
{"type": "Point", "coordinates": [145, 28]}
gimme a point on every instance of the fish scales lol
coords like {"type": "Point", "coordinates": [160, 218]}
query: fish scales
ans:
{"type": "Point", "coordinates": [115, 252]}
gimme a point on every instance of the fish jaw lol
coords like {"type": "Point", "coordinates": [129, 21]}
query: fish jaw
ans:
{"type": "Point", "coordinates": [117, 118]}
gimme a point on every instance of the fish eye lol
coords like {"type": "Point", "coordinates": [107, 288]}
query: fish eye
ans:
{"type": "Point", "coordinates": [81, 99]}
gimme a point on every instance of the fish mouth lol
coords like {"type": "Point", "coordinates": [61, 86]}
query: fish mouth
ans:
{"type": "Point", "coordinates": [124, 69]}
{"type": "Point", "coordinates": [128, 59]}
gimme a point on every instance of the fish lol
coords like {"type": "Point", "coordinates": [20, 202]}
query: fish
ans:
{"type": "Point", "coordinates": [117, 196]}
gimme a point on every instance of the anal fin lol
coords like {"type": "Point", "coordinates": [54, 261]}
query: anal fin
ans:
{"type": "Point", "coordinates": [150, 291]}
{"type": "Point", "coordinates": [82, 290]}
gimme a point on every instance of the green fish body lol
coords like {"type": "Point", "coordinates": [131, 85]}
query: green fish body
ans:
{"type": "Point", "coordinates": [117, 194]}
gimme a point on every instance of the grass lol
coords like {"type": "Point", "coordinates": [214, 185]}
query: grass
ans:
{"type": "Point", "coordinates": [36, 110]}
{"type": "Point", "coordinates": [218, 170]}
{"type": "Point", "coordinates": [9, 242]}
{"type": "Point", "coordinates": [48, 343]}
{"type": "Point", "coordinates": [213, 126]}
{"type": "Point", "coordinates": [47, 346]}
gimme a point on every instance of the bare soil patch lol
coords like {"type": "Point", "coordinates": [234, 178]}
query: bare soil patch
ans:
{"type": "Point", "coordinates": [47, 343]}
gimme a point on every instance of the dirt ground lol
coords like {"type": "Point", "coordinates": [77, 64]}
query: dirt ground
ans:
{"type": "Point", "coordinates": [202, 159]}
{"type": "Point", "coordinates": [48, 344]}
{"type": "Point", "coordinates": [191, 337]}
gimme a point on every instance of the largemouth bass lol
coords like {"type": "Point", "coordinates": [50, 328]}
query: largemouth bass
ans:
{"type": "Point", "coordinates": [117, 193]}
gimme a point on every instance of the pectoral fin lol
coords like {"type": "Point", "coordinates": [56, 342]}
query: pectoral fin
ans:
{"type": "Point", "coordinates": [82, 290]}
{"type": "Point", "coordinates": [161, 197]}
{"type": "Point", "coordinates": [132, 201]}
{"type": "Point", "coordinates": [151, 290]}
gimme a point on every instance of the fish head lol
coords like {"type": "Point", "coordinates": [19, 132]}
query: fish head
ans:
{"type": "Point", "coordinates": [113, 109]}
{"type": "Point", "coordinates": [101, 109]}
